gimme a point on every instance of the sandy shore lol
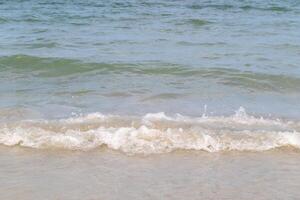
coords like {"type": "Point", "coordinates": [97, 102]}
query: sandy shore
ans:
{"type": "Point", "coordinates": [104, 174]}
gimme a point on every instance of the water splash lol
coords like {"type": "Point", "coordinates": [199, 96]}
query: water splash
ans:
{"type": "Point", "coordinates": [154, 133]}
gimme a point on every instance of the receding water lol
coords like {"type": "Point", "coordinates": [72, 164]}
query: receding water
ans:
{"type": "Point", "coordinates": [202, 78]}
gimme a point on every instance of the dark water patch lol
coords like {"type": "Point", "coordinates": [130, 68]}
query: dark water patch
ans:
{"type": "Point", "coordinates": [164, 69]}
{"type": "Point", "coordinates": [27, 19]}
{"type": "Point", "coordinates": [43, 45]}
{"type": "Point", "coordinates": [189, 43]}
{"type": "Point", "coordinates": [81, 92]}
{"type": "Point", "coordinates": [245, 7]}
{"type": "Point", "coordinates": [214, 6]}
{"type": "Point", "coordinates": [166, 14]}
{"type": "Point", "coordinates": [117, 94]}
{"type": "Point", "coordinates": [88, 16]}
{"type": "Point", "coordinates": [30, 19]}
{"type": "Point", "coordinates": [123, 4]}
{"type": "Point", "coordinates": [52, 3]}
{"type": "Point", "coordinates": [90, 4]}
{"type": "Point", "coordinates": [273, 8]}
{"type": "Point", "coordinates": [164, 96]}
{"type": "Point", "coordinates": [99, 43]}
{"type": "Point", "coordinates": [40, 30]}
{"type": "Point", "coordinates": [154, 4]}
{"type": "Point", "coordinates": [3, 20]}
{"type": "Point", "coordinates": [194, 22]}
{"type": "Point", "coordinates": [276, 8]}
{"type": "Point", "coordinates": [79, 23]}
{"type": "Point", "coordinates": [198, 22]}
{"type": "Point", "coordinates": [286, 46]}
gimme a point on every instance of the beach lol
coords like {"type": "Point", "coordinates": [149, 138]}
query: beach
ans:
{"type": "Point", "coordinates": [102, 174]}
{"type": "Point", "coordinates": [155, 99]}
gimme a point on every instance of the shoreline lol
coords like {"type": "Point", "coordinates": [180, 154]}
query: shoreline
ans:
{"type": "Point", "coordinates": [105, 174]}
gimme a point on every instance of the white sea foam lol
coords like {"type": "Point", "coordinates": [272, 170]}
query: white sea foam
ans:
{"type": "Point", "coordinates": [154, 133]}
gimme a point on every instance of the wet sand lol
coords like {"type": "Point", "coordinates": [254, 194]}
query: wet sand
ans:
{"type": "Point", "coordinates": [105, 174]}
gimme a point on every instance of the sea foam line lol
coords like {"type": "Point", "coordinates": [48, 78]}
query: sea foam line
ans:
{"type": "Point", "coordinates": [153, 133]}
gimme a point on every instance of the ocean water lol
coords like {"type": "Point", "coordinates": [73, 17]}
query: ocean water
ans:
{"type": "Point", "coordinates": [166, 79]}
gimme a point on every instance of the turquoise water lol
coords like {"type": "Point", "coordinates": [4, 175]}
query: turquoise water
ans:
{"type": "Point", "coordinates": [65, 60]}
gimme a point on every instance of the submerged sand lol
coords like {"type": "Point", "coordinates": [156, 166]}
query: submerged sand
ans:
{"type": "Point", "coordinates": [106, 174]}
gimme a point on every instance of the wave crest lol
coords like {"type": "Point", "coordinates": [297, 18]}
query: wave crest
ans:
{"type": "Point", "coordinates": [154, 133]}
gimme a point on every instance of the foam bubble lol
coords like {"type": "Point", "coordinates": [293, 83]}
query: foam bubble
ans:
{"type": "Point", "coordinates": [153, 133]}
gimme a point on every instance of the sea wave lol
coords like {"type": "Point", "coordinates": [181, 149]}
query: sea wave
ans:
{"type": "Point", "coordinates": [241, 7]}
{"type": "Point", "coordinates": [153, 133]}
{"type": "Point", "coordinates": [61, 67]}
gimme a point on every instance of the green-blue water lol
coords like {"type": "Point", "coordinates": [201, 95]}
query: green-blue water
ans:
{"type": "Point", "coordinates": [131, 57]}
{"type": "Point", "coordinates": [149, 56]}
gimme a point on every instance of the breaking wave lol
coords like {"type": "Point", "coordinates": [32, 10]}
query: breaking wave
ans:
{"type": "Point", "coordinates": [153, 133]}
